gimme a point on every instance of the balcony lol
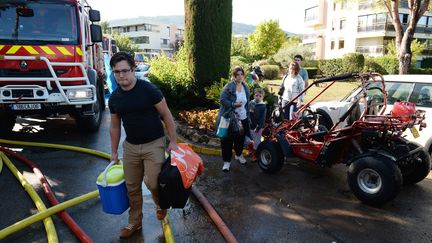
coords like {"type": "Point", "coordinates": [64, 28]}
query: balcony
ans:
{"type": "Point", "coordinates": [372, 50]}
{"type": "Point", "coordinates": [372, 28]}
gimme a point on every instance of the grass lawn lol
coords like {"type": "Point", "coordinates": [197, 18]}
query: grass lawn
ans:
{"type": "Point", "coordinates": [335, 92]}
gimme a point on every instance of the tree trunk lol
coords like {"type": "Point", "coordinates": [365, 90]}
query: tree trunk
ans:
{"type": "Point", "coordinates": [208, 25]}
{"type": "Point", "coordinates": [404, 63]}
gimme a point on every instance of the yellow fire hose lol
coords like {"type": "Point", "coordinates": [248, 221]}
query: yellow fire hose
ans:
{"type": "Point", "coordinates": [47, 213]}
{"type": "Point", "coordinates": [165, 225]}
{"type": "Point", "coordinates": [49, 224]}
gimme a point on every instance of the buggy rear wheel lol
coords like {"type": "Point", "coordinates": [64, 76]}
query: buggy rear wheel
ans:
{"type": "Point", "coordinates": [417, 169]}
{"type": "Point", "coordinates": [374, 180]}
{"type": "Point", "coordinates": [270, 156]}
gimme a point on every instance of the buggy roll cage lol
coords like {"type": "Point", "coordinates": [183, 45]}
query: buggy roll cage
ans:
{"type": "Point", "coordinates": [364, 78]}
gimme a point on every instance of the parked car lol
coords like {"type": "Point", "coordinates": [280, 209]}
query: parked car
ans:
{"type": "Point", "coordinates": [413, 88]}
{"type": "Point", "coordinates": [142, 70]}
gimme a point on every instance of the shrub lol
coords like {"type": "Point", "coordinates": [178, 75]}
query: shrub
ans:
{"type": "Point", "coordinates": [426, 63]}
{"type": "Point", "coordinates": [270, 71]}
{"type": "Point", "coordinates": [388, 63]}
{"type": "Point", "coordinates": [213, 92]}
{"type": "Point", "coordinates": [172, 77]}
{"type": "Point", "coordinates": [372, 66]}
{"type": "Point", "coordinates": [201, 119]}
{"type": "Point", "coordinates": [353, 62]}
{"type": "Point", "coordinates": [312, 71]}
{"type": "Point", "coordinates": [239, 61]}
{"type": "Point", "coordinates": [331, 67]}
{"type": "Point", "coordinates": [420, 71]}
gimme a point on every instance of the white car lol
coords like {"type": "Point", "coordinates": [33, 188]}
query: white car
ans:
{"type": "Point", "coordinates": [142, 70]}
{"type": "Point", "coordinates": [413, 88]}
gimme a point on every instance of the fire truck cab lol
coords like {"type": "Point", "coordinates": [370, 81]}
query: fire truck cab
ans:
{"type": "Point", "coordinates": [51, 62]}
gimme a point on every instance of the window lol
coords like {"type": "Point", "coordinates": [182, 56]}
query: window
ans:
{"type": "Point", "coordinates": [148, 27]}
{"type": "Point", "coordinates": [126, 29]}
{"type": "Point", "coordinates": [344, 4]}
{"type": "Point", "coordinates": [311, 14]}
{"type": "Point", "coordinates": [332, 45]}
{"type": "Point", "coordinates": [341, 44]}
{"type": "Point", "coordinates": [342, 24]}
{"type": "Point", "coordinates": [334, 21]}
{"type": "Point", "coordinates": [141, 40]}
{"type": "Point", "coordinates": [164, 41]}
{"type": "Point", "coordinates": [372, 22]}
{"type": "Point", "coordinates": [398, 91]}
{"type": "Point", "coordinates": [421, 95]}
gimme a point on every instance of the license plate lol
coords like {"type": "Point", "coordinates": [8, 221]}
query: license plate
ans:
{"type": "Point", "coordinates": [26, 106]}
{"type": "Point", "coordinates": [414, 132]}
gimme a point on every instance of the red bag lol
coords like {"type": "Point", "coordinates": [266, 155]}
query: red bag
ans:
{"type": "Point", "coordinates": [188, 163]}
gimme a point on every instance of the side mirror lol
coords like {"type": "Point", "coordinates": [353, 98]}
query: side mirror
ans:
{"type": "Point", "coordinates": [96, 33]}
{"type": "Point", "coordinates": [24, 12]}
{"type": "Point", "coordinates": [94, 15]}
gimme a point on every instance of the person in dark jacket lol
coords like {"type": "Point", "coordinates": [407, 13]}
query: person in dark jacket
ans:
{"type": "Point", "coordinates": [234, 102]}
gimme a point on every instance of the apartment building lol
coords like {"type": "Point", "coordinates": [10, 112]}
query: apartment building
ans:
{"type": "Point", "coordinates": [151, 37]}
{"type": "Point", "coordinates": [335, 28]}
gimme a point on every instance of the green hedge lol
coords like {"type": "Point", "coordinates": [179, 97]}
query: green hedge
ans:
{"type": "Point", "coordinates": [270, 71]}
{"type": "Point", "coordinates": [426, 63]}
{"type": "Point", "coordinates": [420, 70]}
{"type": "Point", "coordinates": [312, 71]}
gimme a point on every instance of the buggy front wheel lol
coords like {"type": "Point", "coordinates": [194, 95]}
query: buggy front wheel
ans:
{"type": "Point", "coordinates": [374, 180]}
{"type": "Point", "coordinates": [270, 157]}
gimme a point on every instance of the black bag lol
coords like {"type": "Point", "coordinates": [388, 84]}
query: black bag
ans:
{"type": "Point", "coordinates": [235, 127]}
{"type": "Point", "coordinates": [171, 190]}
{"type": "Point", "coordinates": [282, 87]}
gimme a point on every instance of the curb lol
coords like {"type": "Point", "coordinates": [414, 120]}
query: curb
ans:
{"type": "Point", "coordinates": [200, 149]}
{"type": "Point", "coordinates": [203, 150]}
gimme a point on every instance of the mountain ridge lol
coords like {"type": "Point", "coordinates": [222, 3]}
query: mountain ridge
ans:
{"type": "Point", "coordinates": [178, 20]}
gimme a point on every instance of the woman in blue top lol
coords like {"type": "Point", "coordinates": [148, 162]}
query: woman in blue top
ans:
{"type": "Point", "coordinates": [234, 99]}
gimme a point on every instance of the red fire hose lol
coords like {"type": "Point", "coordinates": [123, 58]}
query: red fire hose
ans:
{"type": "Point", "coordinates": [226, 233]}
{"type": "Point", "coordinates": [82, 236]}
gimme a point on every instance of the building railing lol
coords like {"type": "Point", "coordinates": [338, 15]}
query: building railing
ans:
{"type": "Point", "coordinates": [309, 36]}
{"type": "Point", "coordinates": [375, 27]}
{"type": "Point", "coordinates": [370, 49]}
{"type": "Point", "coordinates": [369, 4]}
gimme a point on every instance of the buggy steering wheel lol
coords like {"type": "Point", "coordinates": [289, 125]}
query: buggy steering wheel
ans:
{"type": "Point", "coordinates": [309, 118]}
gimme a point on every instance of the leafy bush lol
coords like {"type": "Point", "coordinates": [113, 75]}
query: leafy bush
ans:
{"type": "Point", "coordinates": [331, 67]}
{"type": "Point", "coordinates": [312, 71]}
{"type": "Point", "coordinates": [213, 92]}
{"type": "Point", "coordinates": [420, 71]}
{"type": "Point", "coordinates": [353, 62]}
{"type": "Point", "coordinates": [239, 61]}
{"type": "Point", "coordinates": [388, 63]}
{"type": "Point", "coordinates": [372, 66]}
{"type": "Point", "coordinates": [172, 77]}
{"type": "Point", "coordinates": [285, 55]}
{"type": "Point", "coordinates": [201, 119]}
{"type": "Point", "coordinates": [270, 71]}
{"type": "Point", "coordinates": [426, 63]}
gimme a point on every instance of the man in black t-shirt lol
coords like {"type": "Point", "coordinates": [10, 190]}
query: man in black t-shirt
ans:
{"type": "Point", "coordinates": [140, 105]}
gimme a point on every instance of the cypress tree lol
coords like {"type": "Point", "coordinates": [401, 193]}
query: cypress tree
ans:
{"type": "Point", "coordinates": [208, 26]}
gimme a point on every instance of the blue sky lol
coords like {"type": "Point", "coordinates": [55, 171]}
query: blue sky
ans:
{"type": "Point", "coordinates": [289, 13]}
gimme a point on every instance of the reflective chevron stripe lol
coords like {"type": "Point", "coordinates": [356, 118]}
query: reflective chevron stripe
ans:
{"type": "Point", "coordinates": [47, 50]}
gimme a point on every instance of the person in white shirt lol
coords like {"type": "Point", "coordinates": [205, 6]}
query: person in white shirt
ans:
{"type": "Point", "coordinates": [292, 85]}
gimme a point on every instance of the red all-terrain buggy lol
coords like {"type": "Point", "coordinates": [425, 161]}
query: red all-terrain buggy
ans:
{"type": "Point", "coordinates": [379, 159]}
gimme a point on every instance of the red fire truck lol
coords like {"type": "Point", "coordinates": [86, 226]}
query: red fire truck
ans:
{"type": "Point", "coordinates": [51, 61]}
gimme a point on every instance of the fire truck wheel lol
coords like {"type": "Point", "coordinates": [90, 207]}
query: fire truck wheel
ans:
{"type": "Point", "coordinates": [90, 123]}
{"type": "Point", "coordinates": [270, 157]}
{"type": "Point", "coordinates": [417, 169]}
{"type": "Point", "coordinates": [101, 96]}
{"type": "Point", "coordinates": [7, 122]}
{"type": "Point", "coordinates": [374, 179]}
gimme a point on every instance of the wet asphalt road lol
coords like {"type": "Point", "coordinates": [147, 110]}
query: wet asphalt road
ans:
{"type": "Point", "coordinates": [302, 203]}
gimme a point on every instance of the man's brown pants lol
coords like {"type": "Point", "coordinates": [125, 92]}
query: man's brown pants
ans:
{"type": "Point", "coordinates": [142, 161]}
